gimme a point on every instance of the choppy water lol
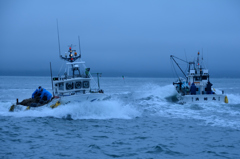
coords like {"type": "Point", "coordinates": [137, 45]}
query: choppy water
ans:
{"type": "Point", "coordinates": [141, 120]}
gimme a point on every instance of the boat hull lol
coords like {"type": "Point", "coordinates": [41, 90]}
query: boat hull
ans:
{"type": "Point", "coordinates": [83, 97]}
{"type": "Point", "coordinates": [90, 97]}
{"type": "Point", "coordinates": [204, 98]}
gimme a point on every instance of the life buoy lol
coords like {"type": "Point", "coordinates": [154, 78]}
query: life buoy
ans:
{"type": "Point", "coordinates": [85, 84]}
{"type": "Point", "coordinates": [78, 85]}
{"type": "Point", "coordinates": [69, 86]}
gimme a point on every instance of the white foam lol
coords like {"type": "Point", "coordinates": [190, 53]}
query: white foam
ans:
{"type": "Point", "coordinates": [233, 98]}
{"type": "Point", "coordinates": [159, 92]}
{"type": "Point", "coordinates": [132, 102]}
{"type": "Point", "coordinates": [98, 110]}
{"type": "Point", "coordinates": [82, 110]}
{"type": "Point", "coordinates": [224, 114]}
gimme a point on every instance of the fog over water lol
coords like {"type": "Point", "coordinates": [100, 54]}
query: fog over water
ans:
{"type": "Point", "coordinates": [131, 38]}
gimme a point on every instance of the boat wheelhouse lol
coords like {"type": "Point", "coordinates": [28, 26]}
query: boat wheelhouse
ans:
{"type": "Point", "coordinates": [77, 83]}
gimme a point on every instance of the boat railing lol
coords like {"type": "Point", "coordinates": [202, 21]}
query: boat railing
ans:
{"type": "Point", "coordinates": [75, 76]}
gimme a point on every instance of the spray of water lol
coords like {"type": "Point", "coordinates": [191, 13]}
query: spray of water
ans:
{"type": "Point", "coordinates": [147, 100]}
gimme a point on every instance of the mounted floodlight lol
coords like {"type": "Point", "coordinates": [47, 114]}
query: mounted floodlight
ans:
{"type": "Point", "coordinates": [75, 66]}
{"type": "Point", "coordinates": [72, 55]}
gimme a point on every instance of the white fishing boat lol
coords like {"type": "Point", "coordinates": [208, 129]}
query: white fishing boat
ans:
{"type": "Point", "coordinates": [196, 86]}
{"type": "Point", "coordinates": [75, 85]}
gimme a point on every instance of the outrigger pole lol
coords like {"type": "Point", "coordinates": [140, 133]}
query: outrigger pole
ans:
{"type": "Point", "coordinates": [172, 57]}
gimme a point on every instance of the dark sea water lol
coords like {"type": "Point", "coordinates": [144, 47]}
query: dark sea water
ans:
{"type": "Point", "coordinates": [140, 120]}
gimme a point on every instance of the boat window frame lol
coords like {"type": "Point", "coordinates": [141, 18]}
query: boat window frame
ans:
{"type": "Point", "coordinates": [197, 78]}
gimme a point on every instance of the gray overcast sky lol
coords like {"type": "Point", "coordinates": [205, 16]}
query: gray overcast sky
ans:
{"type": "Point", "coordinates": [120, 37]}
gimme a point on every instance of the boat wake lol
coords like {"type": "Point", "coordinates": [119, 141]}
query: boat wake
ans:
{"type": "Point", "coordinates": [83, 110]}
{"type": "Point", "coordinates": [234, 99]}
{"type": "Point", "coordinates": [155, 100]}
{"type": "Point", "coordinates": [148, 100]}
{"type": "Point", "coordinates": [110, 109]}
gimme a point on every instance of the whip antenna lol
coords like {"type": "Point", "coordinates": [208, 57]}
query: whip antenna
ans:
{"type": "Point", "coordinates": [51, 78]}
{"type": "Point", "coordinates": [79, 46]}
{"type": "Point", "coordinates": [58, 39]}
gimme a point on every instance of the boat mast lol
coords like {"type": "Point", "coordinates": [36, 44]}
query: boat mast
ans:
{"type": "Point", "coordinates": [198, 61]}
{"type": "Point", "coordinates": [80, 53]}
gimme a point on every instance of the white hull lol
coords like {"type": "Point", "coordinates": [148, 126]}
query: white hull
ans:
{"type": "Point", "coordinates": [83, 97]}
{"type": "Point", "coordinates": [91, 97]}
{"type": "Point", "coordinates": [204, 98]}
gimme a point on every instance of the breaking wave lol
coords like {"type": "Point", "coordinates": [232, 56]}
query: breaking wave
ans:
{"type": "Point", "coordinates": [147, 100]}
{"type": "Point", "coordinates": [84, 110]}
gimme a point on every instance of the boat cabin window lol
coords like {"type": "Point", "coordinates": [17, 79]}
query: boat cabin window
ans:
{"type": "Point", "coordinates": [61, 86]}
{"type": "Point", "coordinates": [55, 78]}
{"type": "Point", "coordinates": [204, 77]}
{"type": "Point", "coordinates": [198, 78]}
